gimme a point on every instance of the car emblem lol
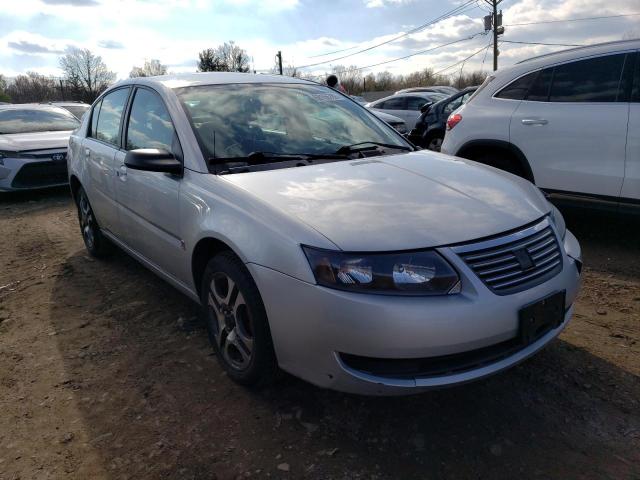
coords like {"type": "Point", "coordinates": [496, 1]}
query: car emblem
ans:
{"type": "Point", "coordinates": [57, 157]}
{"type": "Point", "coordinates": [524, 259]}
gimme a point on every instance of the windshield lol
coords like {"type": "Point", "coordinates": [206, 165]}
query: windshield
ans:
{"type": "Point", "coordinates": [28, 120]}
{"type": "Point", "coordinates": [236, 120]}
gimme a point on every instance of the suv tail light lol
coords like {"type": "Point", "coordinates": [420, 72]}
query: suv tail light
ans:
{"type": "Point", "coordinates": [453, 120]}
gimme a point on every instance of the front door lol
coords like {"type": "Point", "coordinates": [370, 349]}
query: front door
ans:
{"type": "Point", "coordinates": [148, 201]}
{"type": "Point", "coordinates": [631, 186]}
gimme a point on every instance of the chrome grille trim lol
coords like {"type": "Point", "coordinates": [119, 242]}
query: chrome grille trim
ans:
{"type": "Point", "coordinates": [499, 268]}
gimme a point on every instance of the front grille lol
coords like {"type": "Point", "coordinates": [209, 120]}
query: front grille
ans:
{"type": "Point", "coordinates": [40, 174]}
{"type": "Point", "coordinates": [517, 261]}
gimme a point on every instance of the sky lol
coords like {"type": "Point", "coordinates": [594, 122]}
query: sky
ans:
{"type": "Point", "coordinates": [35, 33]}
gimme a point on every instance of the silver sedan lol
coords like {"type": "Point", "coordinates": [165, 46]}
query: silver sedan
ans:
{"type": "Point", "coordinates": [316, 238]}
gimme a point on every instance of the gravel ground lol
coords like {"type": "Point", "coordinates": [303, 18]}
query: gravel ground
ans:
{"type": "Point", "coordinates": [105, 372]}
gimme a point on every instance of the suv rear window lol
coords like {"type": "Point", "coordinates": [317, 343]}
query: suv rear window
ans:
{"type": "Point", "coordinates": [518, 89]}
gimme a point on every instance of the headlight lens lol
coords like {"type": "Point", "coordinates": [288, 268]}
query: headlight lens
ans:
{"type": "Point", "coordinates": [558, 220]}
{"type": "Point", "coordinates": [405, 273]}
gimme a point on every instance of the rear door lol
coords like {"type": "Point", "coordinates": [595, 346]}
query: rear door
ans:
{"type": "Point", "coordinates": [572, 125]}
{"type": "Point", "coordinates": [412, 113]}
{"type": "Point", "coordinates": [99, 149]}
{"type": "Point", "coordinates": [631, 185]}
{"type": "Point", "coordinates": [148, 201]}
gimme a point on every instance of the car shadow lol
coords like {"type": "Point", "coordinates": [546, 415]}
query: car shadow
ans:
{"type": "Point", "coordinates": [155, 403]}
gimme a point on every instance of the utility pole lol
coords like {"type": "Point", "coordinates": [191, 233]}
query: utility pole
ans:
{"type": "Point", "coordinates": [494, 22]}
{"type": "Point", "coordinates": [279, 57]}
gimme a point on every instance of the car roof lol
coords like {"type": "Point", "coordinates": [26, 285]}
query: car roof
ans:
{"type": "Point", "coordinates": [69, 103]}
{"type": "Point", "coordinates": [31, 106]}
{"type": "Point", "coordinates": [211, 78]}
{"type": "Point", "coordinates": [567, 55]}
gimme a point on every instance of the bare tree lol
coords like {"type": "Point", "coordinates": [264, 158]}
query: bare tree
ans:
{"type": "Point", "coordinates": [4, 96]}
{"type": "Point", "coordinates": [349, 77]}
{"type": "Point", "coordinates": [149, 69]}
{"type": "Point", "coordinates": [227, 57]}
{"type": "Point", "coordinates": [32, 87]}
{"type": "Point", "coordinates": [86, 75]}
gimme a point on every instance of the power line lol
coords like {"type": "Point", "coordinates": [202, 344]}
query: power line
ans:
{"type": "Point", "coordinates": [463, 60]}
{"type": "Point", "coordinates": [455, 11]}
{"type": "Point", "coordinates": [414, 54]}
{"type": "Point", "coordinates": [542, 43]}
{"type": "Point", "coordinates": [573, 19]}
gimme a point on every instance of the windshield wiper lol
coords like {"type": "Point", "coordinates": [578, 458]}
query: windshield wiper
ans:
{"type": "Point", "coordinates": [264, 157]}
{"type": "Point", "coordinates": [356, 147]}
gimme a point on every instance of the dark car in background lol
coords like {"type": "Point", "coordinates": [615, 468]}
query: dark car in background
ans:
{"type": "Point", "coordinates": [33, 146]}
{"type": "Point", "coordinates": [431, 126]}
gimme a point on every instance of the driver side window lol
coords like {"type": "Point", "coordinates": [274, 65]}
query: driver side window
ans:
{"type": "Point", "coordinates": [149, 123]}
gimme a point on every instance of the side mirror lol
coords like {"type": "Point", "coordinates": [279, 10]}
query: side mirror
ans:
{"type": "Point", "coordinates": [425, 108]}
{"type": "Point", "coordinates": [153, 160]}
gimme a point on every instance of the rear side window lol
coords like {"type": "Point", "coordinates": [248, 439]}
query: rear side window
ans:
{"type": "Point", "coordinates": [149, 123]}
{"type": "Point", "coordinates": [539, 90]}
{"type": "Point", "coordinates": [393, 104]}
{"type": "Point", "coordinates": [415, 103]}
{"type": "Point", "coordinates": [635, 91]}
{"type": "Point", "coordinates": [108, 126]}
{"type": "Point", "coordinates": [592, 80]}
{"type": "Point", "coordinates": [517, 90]}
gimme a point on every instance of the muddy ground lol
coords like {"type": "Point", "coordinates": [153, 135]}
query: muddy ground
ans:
{"type": "Point", "coordinates": [105, 372]}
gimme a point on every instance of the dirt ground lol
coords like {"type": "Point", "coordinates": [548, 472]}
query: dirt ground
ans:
{"type": "Point", "coordinates": [105, 372]}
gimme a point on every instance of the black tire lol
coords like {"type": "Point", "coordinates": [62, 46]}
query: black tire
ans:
{"type": "Point", "coordinates": [96, 243]}
{"type": "Point", "coordinates": [501, 161]}
{"type": "Point", "coordinates": [433, 141]}
{"type": "Point", "coordinates": [233, 308]}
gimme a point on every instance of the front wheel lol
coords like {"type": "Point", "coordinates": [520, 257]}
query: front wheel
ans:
{"type": "Point", "coordinates": [237, 321]}
{"type": "Point", "coordinates": [96, 243]}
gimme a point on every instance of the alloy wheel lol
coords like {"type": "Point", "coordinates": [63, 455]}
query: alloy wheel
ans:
{"type": "Point", "coordinates": [86, 221]}
{"type": "Point", "coordinates": [232, 325]}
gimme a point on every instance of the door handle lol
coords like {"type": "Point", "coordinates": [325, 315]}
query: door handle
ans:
{"type": "Point", "coordinates": [122, 171]}
{"type": "Point", "coordinates": [87, 152]}
{"type": "Point", "coordinates": [534, 121]}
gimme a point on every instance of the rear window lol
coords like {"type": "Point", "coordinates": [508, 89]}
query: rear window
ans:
{"type": "Point", "coordinates": [29, 120]}
{"type": "Point", "coordinates": [517, 90]}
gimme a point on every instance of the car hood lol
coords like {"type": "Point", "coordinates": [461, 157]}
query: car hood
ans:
{"type": "Point", "coordinates": [18, 142]}
{"type": "Point", "coordinates": [399, 202]}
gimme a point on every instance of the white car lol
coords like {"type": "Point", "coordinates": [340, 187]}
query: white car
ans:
{"type": "Point", "coordinates": [567, 121]}
{"type": "Point", "coordinates": [406, 105]}
{"type": "Point", "coordinates": [33, 146]}
{"type": "Point", "coordinates": [316, 238]}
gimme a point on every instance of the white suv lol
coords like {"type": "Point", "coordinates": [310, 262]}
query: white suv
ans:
{"type": "Point", "coordinates": [568, 121]}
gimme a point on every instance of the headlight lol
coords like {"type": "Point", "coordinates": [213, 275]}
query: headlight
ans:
{"type": "Point", "coordinates": [558, 220]}
{"type": "Point", "coordinates": [405, 273]}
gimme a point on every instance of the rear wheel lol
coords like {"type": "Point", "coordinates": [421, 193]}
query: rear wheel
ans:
{"type": "Point", "coordinates": [434, 142]}
{"type": "Point", "coordinates": [96, 243]}
{"type": "Point", "coordinates": [237, 321]}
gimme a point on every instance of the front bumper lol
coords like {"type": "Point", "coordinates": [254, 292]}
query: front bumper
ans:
{"type": "Point", "coordinates": [311, 325]}
{"type": "Point", "coordinates": [33, 173]}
